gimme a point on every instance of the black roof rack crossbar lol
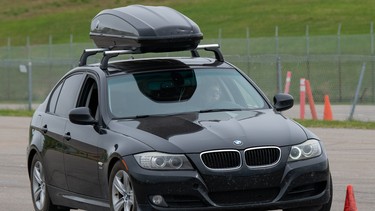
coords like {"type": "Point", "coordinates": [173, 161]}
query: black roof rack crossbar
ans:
{"type": "Point", "coordinates": [89, 52]}
{"type": "Point", "coordinates": [110, 54]}
{"type": "Point", "coordinates": [211, 47]}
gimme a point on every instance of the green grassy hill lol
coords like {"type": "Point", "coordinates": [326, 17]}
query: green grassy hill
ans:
{"type": "Point", "coordinates": [61, 18]}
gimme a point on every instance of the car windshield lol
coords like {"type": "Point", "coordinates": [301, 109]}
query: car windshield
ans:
{"type": "Point", "coordinates": [181, 91]}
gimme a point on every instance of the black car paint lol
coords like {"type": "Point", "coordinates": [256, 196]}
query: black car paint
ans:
{"type": "Point", "coordinates": [197, 132]}
{"type": "Point", "coordinates": [73, 162]}
{"type": "Point", "coordinates": [260, 181]}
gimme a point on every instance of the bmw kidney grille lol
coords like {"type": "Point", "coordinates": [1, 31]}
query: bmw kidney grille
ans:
{"type": "Point", "coordinates": [232, 159]}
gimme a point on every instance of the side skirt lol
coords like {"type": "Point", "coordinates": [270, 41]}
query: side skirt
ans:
{"type": "Point", "coordinates": [76, 201]}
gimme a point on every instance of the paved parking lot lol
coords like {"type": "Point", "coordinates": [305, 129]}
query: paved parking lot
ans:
{"type": "Point", "coordinates": [339, 112]}
{"type": "Point", "coordinates": [351, 153]}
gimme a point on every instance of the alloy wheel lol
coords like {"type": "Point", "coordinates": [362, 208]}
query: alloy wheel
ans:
{"type": "Point", "coordinates": [38, 186]}
{"type": "Point", "coordinates": [122, 192]}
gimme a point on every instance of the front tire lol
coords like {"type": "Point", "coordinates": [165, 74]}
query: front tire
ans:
{"type": "Point", "coordinates": [121, 190]}
{"type": "Point", "coordinates": [39, 192]}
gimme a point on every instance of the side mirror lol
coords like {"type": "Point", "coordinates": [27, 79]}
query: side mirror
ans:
{"type": "Point", "coordinates": [82, 116]}
{"type": "Point", "coordinates": [283, 101]}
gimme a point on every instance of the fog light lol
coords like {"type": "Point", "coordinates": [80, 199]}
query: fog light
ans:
{"type": "Point", "coordinates": [158, 200]}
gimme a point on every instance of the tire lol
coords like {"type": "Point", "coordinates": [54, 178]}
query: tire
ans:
{"type": "Point", "coordinates": [121, 190]}
{"type": "Point", "coordinates": [39, 192]}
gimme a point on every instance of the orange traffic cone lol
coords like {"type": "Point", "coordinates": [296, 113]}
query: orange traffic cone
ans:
{"type": "Point", "coordinates": [350, 204]}
{"type": "Point", "coordinates": [327, 109]}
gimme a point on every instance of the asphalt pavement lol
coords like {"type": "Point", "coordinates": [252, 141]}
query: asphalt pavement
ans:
{"type": "Point", "coordinates": [351, 153]}
{"type": "Point", "coordinates": [365, 113]}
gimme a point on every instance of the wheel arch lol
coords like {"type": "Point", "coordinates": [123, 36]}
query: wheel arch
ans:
{"type": "Point", "coordinates": [111, 164]}
{"type": "Point", "coordinates": [32, 153]}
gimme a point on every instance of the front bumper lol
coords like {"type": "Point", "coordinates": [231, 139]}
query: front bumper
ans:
{"type": "Point", "coordinates": [287, 185]}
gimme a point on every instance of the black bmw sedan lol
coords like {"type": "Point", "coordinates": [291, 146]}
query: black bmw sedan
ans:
{"type": "Point", "coordinates": [168, 133]}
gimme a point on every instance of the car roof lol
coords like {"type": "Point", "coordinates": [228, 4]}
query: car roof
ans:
{"type": "Point", "coordinates": [140, 65]}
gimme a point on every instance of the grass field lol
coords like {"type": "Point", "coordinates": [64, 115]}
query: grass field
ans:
{"type": "Point", "coordinates": [61, 18]}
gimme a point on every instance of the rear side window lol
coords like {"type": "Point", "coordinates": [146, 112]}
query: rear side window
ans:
{"type": "Point", "coordinates": [53, 99]}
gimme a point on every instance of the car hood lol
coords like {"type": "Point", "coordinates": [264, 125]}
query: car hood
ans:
{"type": "Point", "coordinates": [197, 132]}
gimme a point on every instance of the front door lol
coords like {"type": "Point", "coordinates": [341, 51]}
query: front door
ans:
{"type": "Point", "coordinates": [81, 159]}
{"type": "Point", "coordinates": [81, 153]}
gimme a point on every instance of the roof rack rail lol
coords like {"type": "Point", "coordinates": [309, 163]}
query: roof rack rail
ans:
{"type": "Point", "coordinates": [210, 47]}
{"type": "Point", "coordinates": [89, 52]}
{"type": "Point", "coordinates": [108, 54]}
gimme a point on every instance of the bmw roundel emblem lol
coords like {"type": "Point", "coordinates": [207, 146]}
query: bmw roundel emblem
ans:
{"type": "Point", "coordinates": [237, 142]}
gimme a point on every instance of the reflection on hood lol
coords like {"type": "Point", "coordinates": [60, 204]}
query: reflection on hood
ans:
{"type": "Point", "coordinates": [169, 126]}
{"type": "Point", "coordinates": [196, 132]}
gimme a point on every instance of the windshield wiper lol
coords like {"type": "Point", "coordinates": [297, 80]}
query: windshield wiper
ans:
{"type": "Point", "coordinates": [173, 114]}
{"type": "Point", "coordinates": [221, 109]}
{"type": "Point", "coordinates": [145, 116]}
{"type": "Point", "coordinates": [132, 117]}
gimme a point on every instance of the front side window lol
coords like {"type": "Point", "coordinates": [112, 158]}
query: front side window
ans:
{"type": "Point", "coordinates": [68, 95]}
{"type": "Point", "coordinates": [89, 97]}
{"type": "Point", "coordinates": [171, 92]}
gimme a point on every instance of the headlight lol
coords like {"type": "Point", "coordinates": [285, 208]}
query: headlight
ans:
{"type": "Point", "coordinates": [162, 161]}
{"type": "Point", "coordinates": [309, 149]}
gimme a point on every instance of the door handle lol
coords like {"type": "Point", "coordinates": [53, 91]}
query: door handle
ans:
{"type": "Point", "coordinates": [45, 129]}
{"type": "Point", "coordinates": [67, 136]}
